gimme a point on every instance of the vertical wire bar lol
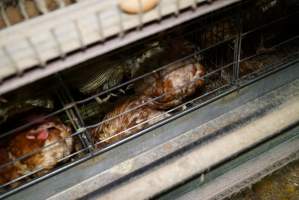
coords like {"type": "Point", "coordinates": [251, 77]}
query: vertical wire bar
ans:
{"type": "Point", "coordinates": [205, 38]}
{"type": "Point", "coordinates": [42, 6]}
{"type": "Point", "coordinates": [23, 10]}
{"type": "Point", "coordinates": [159, 10]}
{"type": "Point", "coordinates": [72, 117]}
{"type": "Point", "coordinates": [217, 49]}
{"type": "Point", "coordinates": [223, 30]}
{"type": "Point", "coordinates": [59, 47]}
{"type": "Point", "coordinates": [86, 133]}
{"type": "Point", "coordinates": [63, 101]}
{"type": "Point", "coordinates": [4, 15]}
{"type": "Point", "coordinates": [79, 34]}
{"type": "Point", "coordinates": [140, 14]}
{"type": "Point", "coordinates": [100, 25]}
{"type": "Point", "coordinates": [237, 50]}
{"type": "Point", "coordinates": [36, 52]}
{"type": "Point", "coordinates": [222, 37]}
{"type": "Point", "coordinates": [12, 60]}
{"type": "Point", "coordinates": [236, 61]}
{"type": "Point", "coordinates": [194, 5]}
{"type": "Point", "coordinates": [87, 141]}
{"type": "Point", "coordinates": [177, 7]}
{"type": "Point", "coordinates": [120, 24]}
{"type": "Point", "coordinates": [77, 114]}
{"type": "Point", "coordinates": [197, 55]}
{"type": "Point", "coordinates": [60, 3]}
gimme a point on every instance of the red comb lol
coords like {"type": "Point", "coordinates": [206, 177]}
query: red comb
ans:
{"type": "Point", "coordinates": [43, 135]}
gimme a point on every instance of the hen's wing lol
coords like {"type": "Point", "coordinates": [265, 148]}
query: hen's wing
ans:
{"type": "Point", "coordinates": [170, 86]}
{"type": "Point", "coordinates": [125, 119]}
{"type": "Point", "coordinates": [8, 171]}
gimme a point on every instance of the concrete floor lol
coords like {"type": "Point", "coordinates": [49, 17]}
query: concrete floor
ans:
{"type": "Point", "coordinates": [282, 185]}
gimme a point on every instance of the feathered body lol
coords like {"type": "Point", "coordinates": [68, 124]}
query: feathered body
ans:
{"type": "Point", "coordinates": [106, 75]}
{"type": "Point", "coordinates": [128, 64]}
{"type": "Point", "coordinates": [170, 86]}
{"type": "Point", "coordinates": [5, 172]}
{"type": "Point", "coordinates": [125, 119]}
{"type": "Point", "coordinates": [41, 147]}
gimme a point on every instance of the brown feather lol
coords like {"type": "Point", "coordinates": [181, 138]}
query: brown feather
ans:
{"type": "Point", "coordinates": [170, 86]}
{"type": "Point", "coordinates": [60, 145]}
{"type": "Point", "coordinates": [116, 129]}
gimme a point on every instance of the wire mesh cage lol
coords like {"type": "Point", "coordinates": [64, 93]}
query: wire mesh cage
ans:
{"type": "Point", "coordinates": [106, 101]}
{"type": "Point", "coordinates": [269, 39]}
{"type": "Point", "coordinates": [38, 134]}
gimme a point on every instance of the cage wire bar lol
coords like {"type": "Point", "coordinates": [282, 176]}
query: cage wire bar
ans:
{"type": "Point", "coordinates": [71, 115]}
{"type": "Point", "coordinates": [71, 106]}
{"type": "Point", "coordinates": [237, 50]}
{"type": "Point", "coordinates": [272, 66]}
{"type": "Point", "coordinates": [75, 116]}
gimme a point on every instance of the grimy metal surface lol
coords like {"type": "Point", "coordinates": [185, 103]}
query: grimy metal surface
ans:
{"type": "Point", "coordinates": [96, 173]}
{"type": "Point", "coordinates": [109, 45]}
{"type": "Point", "coordinates": [242, 171]}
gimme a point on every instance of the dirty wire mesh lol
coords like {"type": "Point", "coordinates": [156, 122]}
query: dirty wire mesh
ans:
{"type": "Point", "coordinates": [135, 89]}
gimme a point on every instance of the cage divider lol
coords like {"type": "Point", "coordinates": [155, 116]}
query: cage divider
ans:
{"type": "Point", "coordinates": [75, 115]}
{"type": "Point", "coordinates": [237, 49]}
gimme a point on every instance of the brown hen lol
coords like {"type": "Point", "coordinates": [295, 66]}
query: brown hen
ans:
{"type": "Point", "coordinates": [170, 86]}
{"type": "Point", "coordinates": [128, 117]}
{"type": "Point", "coordinates": [40, 147]}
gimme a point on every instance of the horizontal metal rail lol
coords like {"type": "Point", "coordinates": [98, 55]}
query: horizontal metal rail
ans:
{"type": "Point", "coordinates": [59, 47]}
